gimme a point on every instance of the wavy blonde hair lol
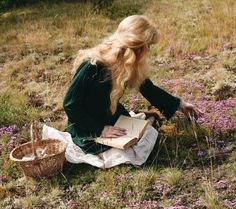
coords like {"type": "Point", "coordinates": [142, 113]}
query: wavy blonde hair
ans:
{"type": "Point", "coordinates": [125, 55]}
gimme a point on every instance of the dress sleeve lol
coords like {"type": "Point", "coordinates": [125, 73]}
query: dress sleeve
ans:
{"type": "Point", "coordinates": [74, 102]}
{"type": "Point", "coordinates": [159, 98]}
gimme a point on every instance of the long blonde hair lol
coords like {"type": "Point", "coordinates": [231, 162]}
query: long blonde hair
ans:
{"type": "Point", "coordinates": [125, 55]}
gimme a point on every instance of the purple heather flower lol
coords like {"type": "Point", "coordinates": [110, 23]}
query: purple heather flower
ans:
{"type": "Point", "coordinates": [212, 140]}
{"type": "Point", "coordinates": [222, 184]}
{"type": "Point", "coordinates": [215, 115]}
{"type": "Point", "coordinates": [176, 207]}
{"type": "Point", "coordinates": [149, 204]}
{"type": "Point", "coordinates": [128, 193]}
{"type": "Point", "coordinates": [231, 204]}
{"type": "Point", "coordinates": [227, 46]}
{"type": "Point", "coordinates": [1, 146]}
{"type": "Point", "coordinates": [201, 120]}
{"type": "Point", "coordinates": [178, 201]}
{"type": "Point", "coordinates": [146, 204]}
{"type": "Point", "coordinates": [8, 130]}
{"type": "Point", "coordinates": [133, 103]}
{"type": "Point", "coordinates": [134, 205]}
{"type": "Point", "coordinates": [12, 132]}
{"type": "Point", "coordinates": [159, 187]}
{"type": "Point", "coordinates": [71, 204]}
{"type": "Point", "coordinates": [124, 176]}
{"type": "Point", "coordinates": [221, 142]}
{"type": "Point", "coordinates": [234, 179]}
{"type": "Point", "coordinates": [2, 179]}
{"type": "Point", "coordinates": [200, 202]}
{"type": "Point", "coordinates": [200, 153]}
{"type": "Point", "coordinates": [129, 175]}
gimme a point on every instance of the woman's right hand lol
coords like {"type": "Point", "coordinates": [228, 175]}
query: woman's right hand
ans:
{"type": "Point", "coordinates": [112, 132]}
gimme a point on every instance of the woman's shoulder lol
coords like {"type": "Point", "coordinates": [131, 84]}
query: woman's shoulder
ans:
{"type": "Point", "coordinates": [91, 69]}
{"type": "Point", "coordinates": [89, 64]}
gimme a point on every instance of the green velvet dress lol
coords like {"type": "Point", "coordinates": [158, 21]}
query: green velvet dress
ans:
{"type": "Point", "coordinates": [87, 104]}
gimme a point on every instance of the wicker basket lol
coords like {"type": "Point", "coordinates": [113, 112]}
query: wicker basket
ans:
{"type": "Point", "coordinates": [40, 166]}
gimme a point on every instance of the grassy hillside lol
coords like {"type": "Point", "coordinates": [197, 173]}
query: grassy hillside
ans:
{"type": "Point", "coordinates": [193, 164]}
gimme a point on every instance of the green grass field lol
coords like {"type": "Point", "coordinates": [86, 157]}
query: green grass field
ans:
{"type": "Point", "coordinates": [193, 164]}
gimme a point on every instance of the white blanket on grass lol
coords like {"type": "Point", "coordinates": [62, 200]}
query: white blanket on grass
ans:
{"type": "Point", "coordinates": [135, 155]}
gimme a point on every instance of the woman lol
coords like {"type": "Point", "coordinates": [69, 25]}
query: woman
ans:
{"type": "Point", "coordinates": [101, 76]}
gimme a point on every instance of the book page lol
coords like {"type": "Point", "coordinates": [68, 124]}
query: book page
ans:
{"type": "Point", "coordinates": [134, 126]}
{"type": "Point", "coordinates": [120, 142]}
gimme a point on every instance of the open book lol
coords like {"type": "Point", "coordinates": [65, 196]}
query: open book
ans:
{"type": "Point", "coordinates": [134, 128]}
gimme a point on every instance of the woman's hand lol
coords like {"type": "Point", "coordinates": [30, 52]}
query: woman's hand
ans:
{"type": "Point", "coordinates": [112, 132]}
{"type": "Point", "coordinates": [189, 110]}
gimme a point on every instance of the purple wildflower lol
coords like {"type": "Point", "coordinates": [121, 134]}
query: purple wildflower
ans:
{"type": "Point", "coordinates": [146, 204]}
{"type": "Point", "coordinates": [133, 103]}
{"type": "Point", "coordinates": [149, 204]}
{"type": "Point", "coordinates": [234, 179]}
{"type": "Point", "coordinates": [160, 187]}
{"type": "Point", "coordinates": [200, 153]}
{"type": "Point", "coordinates": [124, 176]}
{"type": "Point", "coordinates": [176, 207]}
{"type": "Point", "coordinates": [200, 202]}
{"type": "Point", "coordinates": [10, 131]}
{"type": "Point", "coordinates": [227, 46]}
{"type": "Point", "coordinates": [134, 205]}
{"type": "Point", "coordinates": [71, 204]}
{"type": "Point", "coordinates": [2, 179]}
{"type": "Point", "coordinates": [222, 184]}
{"type": "Point", "coordinates": [216, 114]}
{"type": "Point", "coordinates": [128, 193]}
{"type": "Point", "coordinates": [231, 204]}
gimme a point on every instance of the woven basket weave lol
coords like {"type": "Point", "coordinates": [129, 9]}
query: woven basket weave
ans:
{"type": "Point", "coordinates": [40, 166]}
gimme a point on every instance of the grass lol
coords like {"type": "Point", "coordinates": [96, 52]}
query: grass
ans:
{"type": "Point", "coordinates": [190, 27]}
{"type": "Point", "coordinates": [172, 176]}
{"type": "Point", "coordinates": [14, 108]}
{"type": "Point", "coordinates": [196, 52]}
{"type": "Point", "coordinates": [210, 196]}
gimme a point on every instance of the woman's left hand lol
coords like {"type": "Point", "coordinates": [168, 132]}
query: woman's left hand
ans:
{"type": "Point", "coordinates": [189, 110]}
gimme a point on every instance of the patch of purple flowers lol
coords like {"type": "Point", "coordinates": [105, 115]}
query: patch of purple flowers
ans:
{"type": "Point", "coordinates": [125, 176]}
{"type": "Point", "coordinates": [201, 153]}
{"type": "Point", "coordinates": [160, 188]}
{"type": "Point", "coordinates": [2, 179]}
{"type": "Point", "coordinates": [133, 103]}
{"type": "Point", "coordinates": [200, 202]}
{"type": "Point", "coordinates": [176, 207]}
{"type": "Point", "coordinates": [216, 114]}
{"type": "Point", "coordinates": [10, 131]}
{"type": "Point", "coordinates": [71, 204]}
{"type": "Point", "coordinates": [231, 204]}
{"type": "Point", "coordinates": [222, 184]}
{"type": "Point", "coordinates": [145, 204]}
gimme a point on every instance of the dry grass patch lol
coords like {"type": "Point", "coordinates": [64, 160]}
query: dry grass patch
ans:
{"type": "Point", "coordinates": [193, 26]}
{"type": "Point", "coordinates": [172, 176]}
{"type": "Point", "coordinates": [211, 197]}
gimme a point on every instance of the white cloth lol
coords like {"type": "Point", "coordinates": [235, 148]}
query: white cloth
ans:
{"type": "Point", "coordinates": [74, 154]}
{"type": "Point", "coordinates": [135, 155]}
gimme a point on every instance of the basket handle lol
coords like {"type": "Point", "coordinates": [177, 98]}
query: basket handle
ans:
{"type": "Point", "coordinates": [32, 136]}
